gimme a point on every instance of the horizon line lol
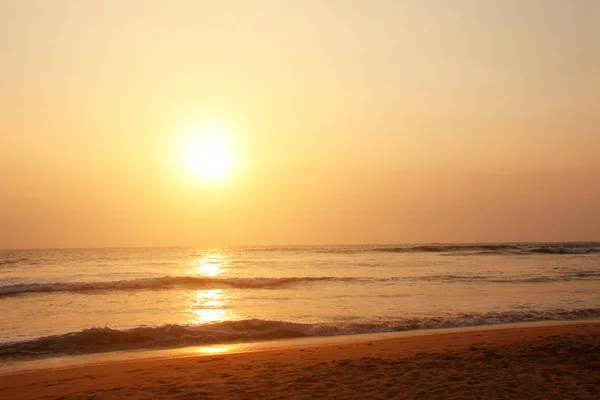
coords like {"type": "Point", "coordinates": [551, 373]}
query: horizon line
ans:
{"type": "Point", "coordinates": [300, 245]}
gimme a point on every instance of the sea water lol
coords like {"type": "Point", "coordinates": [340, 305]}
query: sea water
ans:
{"type": "Point", "coordinates": [73, 301]}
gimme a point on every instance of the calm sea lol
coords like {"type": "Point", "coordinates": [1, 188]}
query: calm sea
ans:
{"type": "Point", "coordinates": [84, 301]}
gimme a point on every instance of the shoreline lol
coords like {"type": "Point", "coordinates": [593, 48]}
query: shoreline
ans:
{"type": "Point", "coordinates": [552, 359]}
{"type": "Point", "coordinates": [60, 362]}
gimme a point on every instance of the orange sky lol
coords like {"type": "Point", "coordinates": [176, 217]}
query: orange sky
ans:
{"type": "Point", "coordinates": [349, 122]}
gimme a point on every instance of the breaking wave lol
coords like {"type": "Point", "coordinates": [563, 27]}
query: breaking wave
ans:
{"type": "Point", "coordinates": [193, 282]}
{"type": "Point", "coordinates": [164, 282]}
{"type": "Point", "coordinates": [96, 340]}
{"type": "Point", "coordinates": [489, 249]}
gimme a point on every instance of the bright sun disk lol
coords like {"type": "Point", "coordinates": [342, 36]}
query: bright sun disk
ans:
{"type": "Point", "coordinates": [209, 157]}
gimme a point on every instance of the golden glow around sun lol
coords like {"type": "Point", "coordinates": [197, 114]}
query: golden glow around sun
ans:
{"type": "Point", "coordinates": [209, 156]}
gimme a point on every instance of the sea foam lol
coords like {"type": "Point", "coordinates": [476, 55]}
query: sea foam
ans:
{"type": "Point", "coordinates": [94, 340]}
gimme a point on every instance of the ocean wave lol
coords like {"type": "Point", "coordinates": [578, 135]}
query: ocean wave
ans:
{"type": "Point", "coordinates": [8, 261]}
{"type": "Point", "coordinates": [448, 249]}
{"type": "Point", "coordinates": [194, 282]}
{"type": "Point", "coordinates": [95, 340]}
{"type": "Point", "coordinates": [492, 249]}
{"type": "Point", "coordinates": [564, 250]}
{"type": "Point", "coordinates": [442, 248]}
{"type": "Point", "coordinates": [164, 282]}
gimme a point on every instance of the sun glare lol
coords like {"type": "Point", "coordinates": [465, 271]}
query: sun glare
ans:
{"type": "Point", "coordinates": [209, 157]}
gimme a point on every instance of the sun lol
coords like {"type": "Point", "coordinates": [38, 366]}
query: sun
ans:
{"type": "Point", "coordinates": [209, 156]}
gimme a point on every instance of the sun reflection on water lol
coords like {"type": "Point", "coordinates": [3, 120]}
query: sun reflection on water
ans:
{"type": "Point", "coordinates": [213, 349]}
{"type": "Point", "coordinates": [209, 305]}
{"type": "Point", "coordinates": [212, 264]}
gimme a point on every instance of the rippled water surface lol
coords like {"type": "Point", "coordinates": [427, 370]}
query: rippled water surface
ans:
{"type": "Point", "coordinates": [141, 297]}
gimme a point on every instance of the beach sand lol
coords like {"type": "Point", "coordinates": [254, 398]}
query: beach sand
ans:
{"type": "Point", "coordinates": [538, 362]}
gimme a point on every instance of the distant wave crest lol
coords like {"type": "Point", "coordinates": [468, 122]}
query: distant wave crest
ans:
{"type": "Point", "coordinates": [96, 340]}
{"type": "Point", "coordinates": [164, 282]}
{"type": "Point", "coordinates": [489, 249]}
{"type": "Point", "coordinates": [195, 282]}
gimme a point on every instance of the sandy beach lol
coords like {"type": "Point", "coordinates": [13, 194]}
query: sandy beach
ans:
{"type": "Point", "coordinates": [539, 362]}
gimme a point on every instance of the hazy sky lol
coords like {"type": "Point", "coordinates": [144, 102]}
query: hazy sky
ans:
{"type": "Point", "coordinates": [349, 121]}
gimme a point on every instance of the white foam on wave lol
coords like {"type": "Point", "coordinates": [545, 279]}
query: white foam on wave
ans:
{"type": "Point", "coordinates": [97, 340]}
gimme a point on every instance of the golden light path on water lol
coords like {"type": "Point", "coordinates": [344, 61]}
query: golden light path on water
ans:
{"type": "Point", "coordinates": [208, 305]}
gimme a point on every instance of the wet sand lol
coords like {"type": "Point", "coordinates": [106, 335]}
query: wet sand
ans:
{"type": "Point", "coordinates": [538, 362]}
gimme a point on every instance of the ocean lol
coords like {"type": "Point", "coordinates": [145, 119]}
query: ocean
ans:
{"type": "Point", "coordinates": [80, 301]}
